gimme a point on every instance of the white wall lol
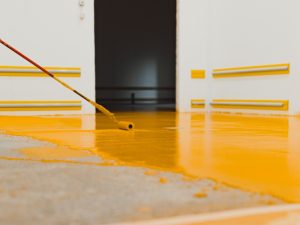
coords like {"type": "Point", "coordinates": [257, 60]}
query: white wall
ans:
{"type": "Point", "coordinates": [192, 49]}
{"type": "Point", "coordinates": [52, 33]}
{"type": "Point", "coordinates": [233, 33]}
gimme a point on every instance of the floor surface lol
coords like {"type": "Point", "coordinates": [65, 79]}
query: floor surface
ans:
{"type": "Point", "coordinates": [81, 169]}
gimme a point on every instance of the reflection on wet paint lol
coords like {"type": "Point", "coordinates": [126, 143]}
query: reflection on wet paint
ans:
{"type": "Point", "coordinates": [250, 152]}
{"type": "Point", "coordinates": [255, 153]}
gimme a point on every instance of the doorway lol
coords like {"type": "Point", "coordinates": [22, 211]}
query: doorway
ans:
{"type": "Point", "coordinates": [135, 54]}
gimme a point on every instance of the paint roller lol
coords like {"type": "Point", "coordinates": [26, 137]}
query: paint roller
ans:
{"type": "Point", "coordinates": [123, 125]}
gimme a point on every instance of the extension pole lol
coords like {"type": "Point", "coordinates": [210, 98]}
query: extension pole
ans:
{"type": "Point", "coordinates": [121, 124]}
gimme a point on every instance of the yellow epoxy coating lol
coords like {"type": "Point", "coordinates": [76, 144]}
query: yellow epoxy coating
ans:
{"type": "Point", "coordinates": [255, 153]}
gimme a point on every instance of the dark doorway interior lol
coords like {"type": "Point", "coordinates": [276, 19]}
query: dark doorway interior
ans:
{"type": "Point", "coordinates": [135, 54]}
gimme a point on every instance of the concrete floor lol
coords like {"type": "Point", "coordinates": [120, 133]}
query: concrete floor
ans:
{"type": "Point", "coordinates": [63, 193]}
{"type": "Point", "coordinates": [78, 170]}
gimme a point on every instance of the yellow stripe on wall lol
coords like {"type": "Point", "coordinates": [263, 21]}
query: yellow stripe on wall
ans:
{"type": "Point", "coordinates": [31, 71]}
{"type": "Point", "coordinates": [198, 74]}
{"type": "Point", "coordinates": [281, 105]}
{"type": "Point", "coordinates": [40, 105]}
{"type": "Point", "coordinates": [262, 70]}
{"type": "Point", "coordinates": [198, 103]}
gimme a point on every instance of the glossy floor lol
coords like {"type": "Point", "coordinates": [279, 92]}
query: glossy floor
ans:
{"type": "Point", "coordinates": [254, 153]}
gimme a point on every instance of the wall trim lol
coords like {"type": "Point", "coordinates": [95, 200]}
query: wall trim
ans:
{"type": "Point", "coordinates": [281, 105]}
{"type": "Point", "coordinates": [198, 103]}
{"type": "Point", "coordinates": [31, 71]}
{"type": "Point", "coordinates": [40, 105]}
{"type": "Point", "coordinates": [262, 70]}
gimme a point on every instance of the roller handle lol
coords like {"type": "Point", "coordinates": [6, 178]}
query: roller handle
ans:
{"type": "Point", "coordinates": [121, 124]}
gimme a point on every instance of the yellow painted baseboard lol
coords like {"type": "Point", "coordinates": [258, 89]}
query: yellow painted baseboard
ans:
{"type": "Point", "coordinates": [262, 70]}
{"type": "Point", "coordinates": [198, 103]}
{"type": "Point", "coordinates": [40, 105]}
{"type": "Point", "coordinates": [30, 71]}
{"type": "Point", "coordinates": [281, 105]}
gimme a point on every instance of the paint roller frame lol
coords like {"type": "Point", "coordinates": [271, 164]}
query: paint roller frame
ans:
{"type": "Point", "coordinates": [123, 125]}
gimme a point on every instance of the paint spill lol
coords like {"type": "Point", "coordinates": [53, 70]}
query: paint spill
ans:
{"type": "Point", "coordinates": [200, 194]}
{"type": "Point", "coordinates": [163, 180]}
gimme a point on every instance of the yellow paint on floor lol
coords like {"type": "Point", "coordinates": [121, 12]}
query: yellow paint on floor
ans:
{"type": "Point", "coordinates": [254, 153]}
{"type": "Point", "coordinates": [163, 180]}
{"type": "Point", "coordinates": [200, 194]}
